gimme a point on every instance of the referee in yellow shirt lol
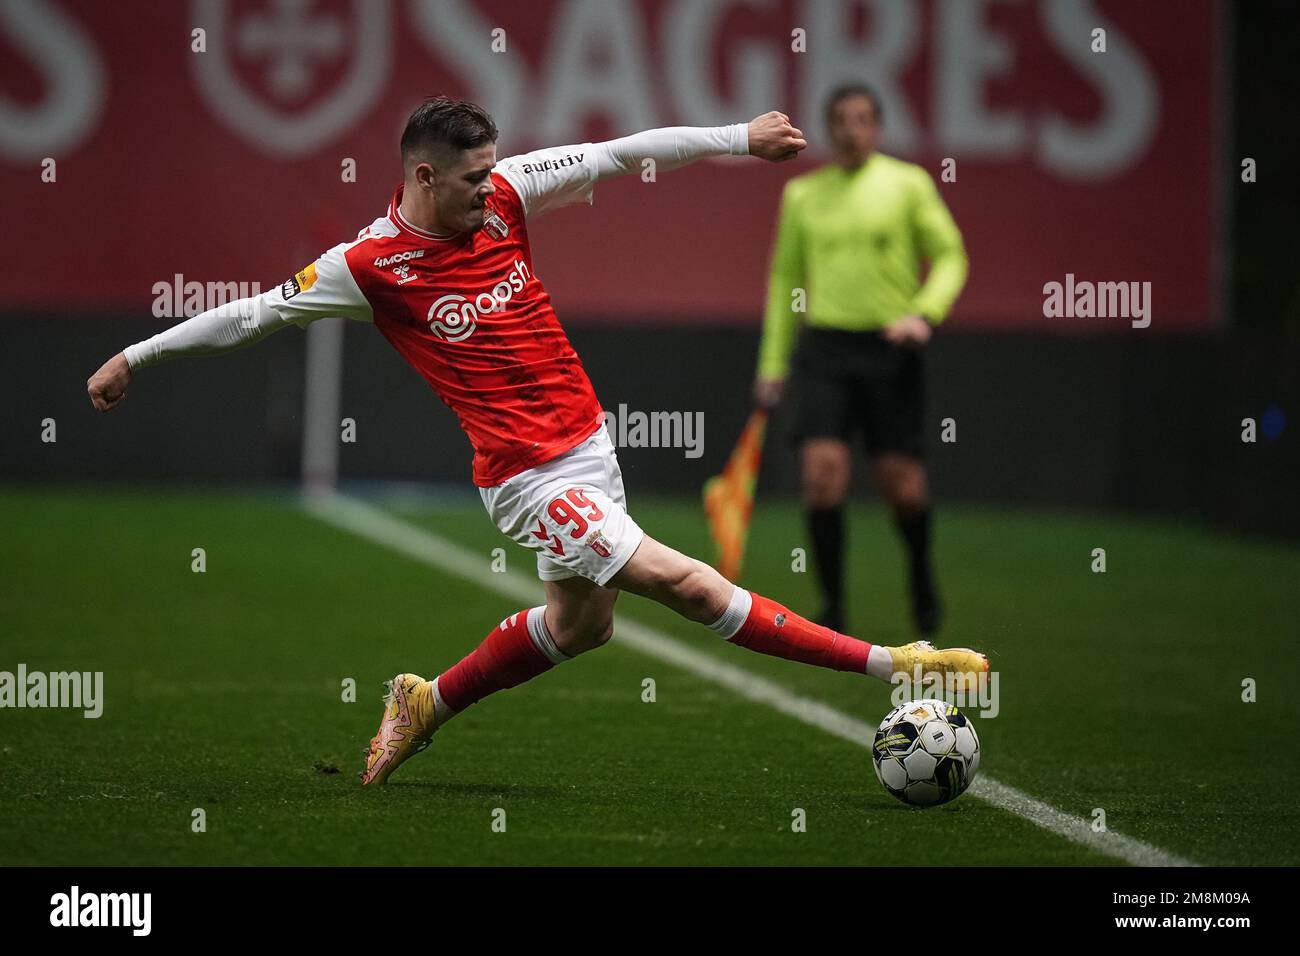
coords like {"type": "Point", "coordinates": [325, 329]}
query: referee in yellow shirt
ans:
{"type": "Point", "coordinates": [849, 249]}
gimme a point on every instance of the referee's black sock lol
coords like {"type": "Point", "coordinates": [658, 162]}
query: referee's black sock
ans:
{"type": "Point", "coordinates": [914, 526]}
{"type": "Point", "coordinates": [826, 527]}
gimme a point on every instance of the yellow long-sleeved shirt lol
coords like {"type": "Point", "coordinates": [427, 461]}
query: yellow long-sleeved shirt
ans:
{"type": "Point", "coordinates": [854, 243]}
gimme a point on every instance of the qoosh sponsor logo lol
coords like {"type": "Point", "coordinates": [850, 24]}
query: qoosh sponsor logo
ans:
{"type": "Point", "coordinates": [454, 317]}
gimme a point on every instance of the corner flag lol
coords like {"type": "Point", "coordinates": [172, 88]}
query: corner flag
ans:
{"type": "Point", "coordinates": [729, 497]}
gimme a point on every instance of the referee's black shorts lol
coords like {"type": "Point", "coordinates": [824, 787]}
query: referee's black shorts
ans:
{"type": "Point", "coordinates": [845, 382]}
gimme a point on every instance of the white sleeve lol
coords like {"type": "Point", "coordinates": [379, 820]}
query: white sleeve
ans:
{"type": "Point", "coordinates": [548, 178]}
{"type": "Point", "coordinates": [324, 288]}
{"type": "Point", "coordinates": [671, 148]}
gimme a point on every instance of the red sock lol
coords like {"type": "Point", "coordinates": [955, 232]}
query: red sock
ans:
{"type": "Point", "coordinates": [506, 658]}
{"type": "Point", "coordinates": [777, 631]}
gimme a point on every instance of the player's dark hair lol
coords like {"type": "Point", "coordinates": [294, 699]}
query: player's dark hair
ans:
{"type": "Point", "coordinates": [855, 89]}
{"type": "Point", "coordinates": [442, 127]}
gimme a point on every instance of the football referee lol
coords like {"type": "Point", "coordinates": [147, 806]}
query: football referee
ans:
{"type": "Point", "coordinates": [850, 244]}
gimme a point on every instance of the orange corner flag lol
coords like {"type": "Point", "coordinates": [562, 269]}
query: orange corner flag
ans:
{"type": "Point", "coordinates": [729, 497]}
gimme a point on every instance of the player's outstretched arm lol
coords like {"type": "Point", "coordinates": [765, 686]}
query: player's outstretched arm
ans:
{"type": "Point", "coordinates": [218, 330]}
{"type": "Point", "coordinates": [546, 179]}
{"type": "Point", "coordinates": [324, 288]}
{"type": "Point", "coordinates": [770, 137]}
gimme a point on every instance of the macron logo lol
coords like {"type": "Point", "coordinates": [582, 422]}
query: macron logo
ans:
{"type": "Point", "coordinates": [400, 257]}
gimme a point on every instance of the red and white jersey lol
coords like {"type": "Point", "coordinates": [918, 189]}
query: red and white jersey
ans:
{"type": "Point", "coordinates": [470, 315]}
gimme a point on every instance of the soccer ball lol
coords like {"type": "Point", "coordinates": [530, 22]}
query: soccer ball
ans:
{"type": "Point", "coordinates": [926, 752]}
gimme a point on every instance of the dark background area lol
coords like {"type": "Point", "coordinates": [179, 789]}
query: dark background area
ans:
{"type": "Point", "coordinates": [1264, 216]}
{"type": "Point", "coordinates": [1140, 423]}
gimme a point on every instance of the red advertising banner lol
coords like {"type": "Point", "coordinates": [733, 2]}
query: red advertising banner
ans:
{"type": "Point", "coordinates": [146, 144]}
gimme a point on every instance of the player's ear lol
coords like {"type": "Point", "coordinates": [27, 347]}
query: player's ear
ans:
{"type": "Point", "coordinates": [426, 175]}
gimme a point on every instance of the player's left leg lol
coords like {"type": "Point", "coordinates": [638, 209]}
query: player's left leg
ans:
{"type": "Point", "coordinates": [903, 481]}
{"type": "Point", "coordinates": [578, 616]}
{"type": "Point", "coordinates": [698, 592]}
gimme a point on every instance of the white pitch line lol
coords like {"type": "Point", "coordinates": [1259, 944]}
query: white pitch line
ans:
{"type": "Point", "coordinates": [432, 549]}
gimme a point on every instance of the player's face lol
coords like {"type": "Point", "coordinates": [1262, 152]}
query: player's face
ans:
{"type": "Point", "coordinates": [462, 189]}
{"type": "Point", "coordinates": [854, 129]}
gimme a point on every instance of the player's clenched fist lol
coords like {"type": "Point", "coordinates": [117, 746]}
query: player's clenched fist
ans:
{"type": "Point", "coordinates": [772, 137]}
{"type": "Point", "coordinates": [107, 387]}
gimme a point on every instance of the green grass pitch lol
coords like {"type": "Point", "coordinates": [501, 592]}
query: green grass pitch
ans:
{"type": "Point", "coordinates": [1119, 691]}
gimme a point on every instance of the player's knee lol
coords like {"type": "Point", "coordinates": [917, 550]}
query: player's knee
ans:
{"type": "Point", "coordinates": [823, 494]}
{"type": "Point", "coordinates": [825, 490]}
{"type": "Point", "coordinates": [825, 480]}
{"type": "Point", "coordinates": [688, 586]}
{"type": "Point", "coordinates": [702, 591]}
{"type": "Point", "coordinates": [907, 492]}
{"type": "Point", "coordinates": [902, 483]}
{"type": "Point", "coordinates": [909, 499]}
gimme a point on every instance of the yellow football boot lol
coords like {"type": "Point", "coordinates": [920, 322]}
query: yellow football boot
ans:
{"type": "Point", "coordinates": [960, 666]}
{"type": "Point", "coordinates": [407, 727]}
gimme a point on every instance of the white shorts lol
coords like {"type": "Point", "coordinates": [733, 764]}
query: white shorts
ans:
{"type": "Point", "coordinates": [571, 510]}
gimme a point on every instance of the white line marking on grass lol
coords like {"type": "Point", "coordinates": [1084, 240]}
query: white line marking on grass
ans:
{"type": "Point", "coordinates": [432, 549]}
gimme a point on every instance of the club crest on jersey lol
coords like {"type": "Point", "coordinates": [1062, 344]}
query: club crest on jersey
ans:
{"type": "Point", "coordinates": [599, 543]}
{"type": "Point", "coordinates": [496, 225]}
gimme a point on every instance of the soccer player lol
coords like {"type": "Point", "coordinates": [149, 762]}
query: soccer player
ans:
{"type": "Point", "coordinates": [852, 236]}
{"type": "Point", "coordinates": [446, 275]}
